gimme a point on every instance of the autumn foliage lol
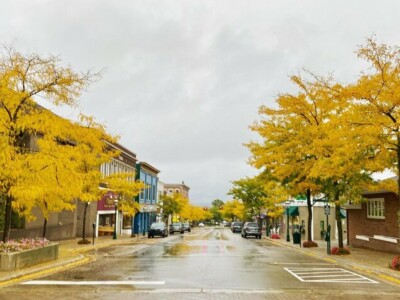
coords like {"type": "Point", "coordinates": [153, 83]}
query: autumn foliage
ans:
{"type": "Point", "coordinates": [47, 161]}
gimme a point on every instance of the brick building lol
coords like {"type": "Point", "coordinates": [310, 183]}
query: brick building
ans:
{"type": "Point", "coordinates": [373, 224]}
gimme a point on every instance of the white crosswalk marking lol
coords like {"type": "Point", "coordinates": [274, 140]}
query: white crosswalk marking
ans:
{"type": "Point", "coordinates": [337, 275]}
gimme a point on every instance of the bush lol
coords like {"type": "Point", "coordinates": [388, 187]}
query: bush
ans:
{"type": "Point", "coordinates": [275, 236]}
{"type": "Point", "coordinates": [340, 251]}
{"type": "Point", "coordinates": [309, 244]}
{"type": "Point", "coordinates": [395, 265]}
{"type": "Point", "coordinates": [22, 244]}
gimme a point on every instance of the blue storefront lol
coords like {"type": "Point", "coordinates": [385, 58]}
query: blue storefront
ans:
{"type": "Point", "coordinates": [147, 198]}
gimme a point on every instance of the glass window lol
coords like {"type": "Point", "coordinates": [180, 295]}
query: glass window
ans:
{"type": "Point", "coordinates": [376, 208]}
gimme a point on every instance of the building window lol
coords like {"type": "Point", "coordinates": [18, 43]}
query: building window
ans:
{"type": "Point", "coordinates": [127, 222]}
{"type": "Point", "coordinates": [376, 208]}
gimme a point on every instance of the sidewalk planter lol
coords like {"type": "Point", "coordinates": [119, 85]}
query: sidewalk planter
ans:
{"type": "Point", "coordinates": [22, 259]}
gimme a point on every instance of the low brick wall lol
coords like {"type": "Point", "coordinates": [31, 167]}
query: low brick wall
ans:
{"type": "Point", "coordinates": [18, 260]}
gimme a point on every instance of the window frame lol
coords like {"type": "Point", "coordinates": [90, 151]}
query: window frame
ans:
{"type": "Point", "coordinates": [376, 208]}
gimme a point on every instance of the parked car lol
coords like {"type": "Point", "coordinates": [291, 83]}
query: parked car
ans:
{"type": "Point", "coordinates": [201, 224]}
{"type": "Point", "coordinates": [236, 226]}
{"type": "Point", "coordinates": [251, 229]}
{"type": "Point", "coordinates": [176, 227]}
{"type": "Point", "coordinates": [186, 227]}
{"type": "Point", "coordinates": [158, 229]}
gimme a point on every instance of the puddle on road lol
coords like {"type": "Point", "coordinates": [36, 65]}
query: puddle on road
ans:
{"type": "Point", "coordinates": [181, 249]}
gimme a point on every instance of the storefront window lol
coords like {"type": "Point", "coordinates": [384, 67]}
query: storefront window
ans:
{"type": "Point", "coordinates": [127, 222]}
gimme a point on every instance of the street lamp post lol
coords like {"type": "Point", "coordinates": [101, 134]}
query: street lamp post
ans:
{"type": "Point", "coordinates": [328, 229]}
{"type": "Point", "coordinates": [287, 224]}
{"type": "Point", "coordinates": [115, 223]}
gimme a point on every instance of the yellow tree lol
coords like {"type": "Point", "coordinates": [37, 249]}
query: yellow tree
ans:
{"type": "Point", "coordinates": [22, 78]}
{"type": "Point", "coordinates": [191, 212]}
{"type": "Point", "coordinates": [52, 182]}
{"type": "Point", "coordinates": [304, 142]}
{"type": "Point", "coordinates": [276, 195]}
{"type": "Point", "coordinates": [376, 97]}
{"type": "Point", "coordinates": [172, 204]}
{"type": "Point", "coordinates": [233, 210]}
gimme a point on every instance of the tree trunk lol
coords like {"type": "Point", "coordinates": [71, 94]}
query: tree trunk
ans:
{"type": "Point", "coordinates": [339, 225]}
{"type": "Point", "coordinates": [398, 181]}
{"type": "Point", "coordinates": [84, 222]}
{"type": "Point", "coordinates": [309, 220]}
{"type": "Point", "coordinates": [45, 222]}
{"type": "Point", "coordinates": [44, 228]}
{"type": "Point", "coordinates": [7, 220]}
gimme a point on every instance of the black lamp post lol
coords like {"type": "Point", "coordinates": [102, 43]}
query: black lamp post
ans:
{"type": "Point", "coordinates": [287, 224]}
{"type": "Point", "coordinates": [115, 223]}
{"type": "Point", "coordinates": [328, 229]}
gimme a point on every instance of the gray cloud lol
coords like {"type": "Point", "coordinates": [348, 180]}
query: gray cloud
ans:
{"type": "Point", "coordinates": [183, 80]}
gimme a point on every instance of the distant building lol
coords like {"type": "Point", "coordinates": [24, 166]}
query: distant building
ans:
{"type": "Point", "coordinates": [176, 188]}
{"type": "Point", "coordinates": [106, 217]}
{"type": "Point", "coordinates": [147, 198]}
{"type": "Point", "coordinates": [160, 193]}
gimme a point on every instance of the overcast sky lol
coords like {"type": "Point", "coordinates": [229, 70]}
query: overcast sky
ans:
{"type": "Point", "coordinates": [183, 80]}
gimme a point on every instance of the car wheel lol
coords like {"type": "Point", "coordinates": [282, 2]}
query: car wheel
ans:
{"type": "Point", "coordinates": [149, 236]}
{"type": "Point", "coordinates": [182, 232]}
{"type": "Point", "coordinates": [245, 236]}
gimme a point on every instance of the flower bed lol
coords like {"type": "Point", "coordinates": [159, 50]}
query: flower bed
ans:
{"type": "Point", "coordinates": [24, 253]}
{"type": "Point", "coordinates": [395, 265]}
{"type": "Point", "coordinates": [340, 251]}
{"type": "Point", "coordinates": [275, 236]}
{"type": "Point", "coordinates": [309, 244]}
{"type": "Point", "coordinates": [22, 244]}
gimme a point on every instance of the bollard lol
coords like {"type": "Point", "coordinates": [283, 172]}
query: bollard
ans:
{"type": "Point", "coordinates": [94, 229]}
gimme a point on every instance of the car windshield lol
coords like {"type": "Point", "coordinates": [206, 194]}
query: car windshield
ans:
{"type": "Point", "coordinates": [237, 224]}
{"type": "Point", "coordinates": [252, 225]}
{"type": "Point", "coordinates": [157, 225]}
{"type": "Point", "coordinates": [176, 224]}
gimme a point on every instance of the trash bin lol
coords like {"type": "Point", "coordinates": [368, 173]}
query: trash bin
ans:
{"type": "Point", "coordinates": [296, 238]}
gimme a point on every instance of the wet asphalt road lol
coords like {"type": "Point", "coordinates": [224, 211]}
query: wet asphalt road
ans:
{"type": "Point", "coordinates": [209, 263]}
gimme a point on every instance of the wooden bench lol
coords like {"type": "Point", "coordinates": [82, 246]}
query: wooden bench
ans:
{"type": "Point", "coordinates": [106, 230]}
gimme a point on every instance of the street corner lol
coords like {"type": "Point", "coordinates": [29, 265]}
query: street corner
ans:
{"type": "Point", "coordinates": [10, 278]}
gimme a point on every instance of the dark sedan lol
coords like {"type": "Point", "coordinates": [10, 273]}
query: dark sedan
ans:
{"type": "Point", "coordinates": [251, 229]}
{"type": "Point", "coordinates": [186, 227]}
{"type": "Point", "coordinates": [158, 229]}
{"type": "Point", "coordinates": [176, 227]}
{"type": "Point", "coordinates": [236, 226]}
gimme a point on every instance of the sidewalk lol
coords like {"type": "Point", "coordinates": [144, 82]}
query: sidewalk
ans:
{"type": "Point", "coordinates": [366, 261]}
{"type": "Point", "coordinates": [70, 254]}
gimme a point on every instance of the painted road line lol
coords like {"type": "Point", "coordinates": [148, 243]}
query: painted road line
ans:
{"type": "Point", "coordinates": [111, 282]}
{"type": "Point", "coordinates": [332, 275]}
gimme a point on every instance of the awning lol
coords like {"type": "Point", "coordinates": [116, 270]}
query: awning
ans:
{"type": "Point", "coordinates": [292, 211]}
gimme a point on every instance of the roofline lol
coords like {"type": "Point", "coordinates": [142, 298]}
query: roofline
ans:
{"type": "Point", "coordinates": [150, 167]}
{"type": "Point", "coordinates": [121, 148]}
{"type": "Point", "coordinates": [176, 184]}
